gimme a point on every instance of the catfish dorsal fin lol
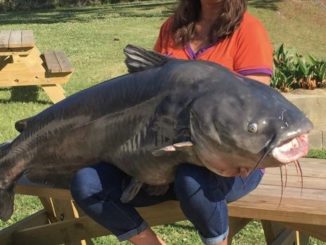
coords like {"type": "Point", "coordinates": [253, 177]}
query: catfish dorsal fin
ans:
{"type": "Point", "coordinates": [140, 59]}
{"type": "Point", "coordinates": [21, 125]}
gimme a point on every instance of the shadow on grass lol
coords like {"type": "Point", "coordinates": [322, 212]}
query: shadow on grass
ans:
{"type": "Point", "coordinates": [24, 94]}
{"type": "Point", "coordinates": [85, 14]}
{"type": "Point", "coordinates": [264, 4]}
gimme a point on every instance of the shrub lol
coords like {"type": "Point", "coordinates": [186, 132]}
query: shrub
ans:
{"type": "Point", "coordinates": [293, 71]}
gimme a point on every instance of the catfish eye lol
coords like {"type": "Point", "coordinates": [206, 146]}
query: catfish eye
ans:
{"type": "Point", "coordinates": [252, 128]}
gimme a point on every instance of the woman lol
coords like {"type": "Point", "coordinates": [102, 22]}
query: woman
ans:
{"type": "Point", "coordinates": [220, 31]}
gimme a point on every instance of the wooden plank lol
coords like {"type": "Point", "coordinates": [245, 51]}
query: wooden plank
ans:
{"type": "Point", "coordinates": [277, 233]}
{"type": "Point", "coordinates": [270, 199]}
{"type": "Point", "coordinates": [287, 237]}
{"type": "Point", "coordinates": [57, 62]}
{"type": "Point", "coordinates": [66, 210]}
{"type": "Point", "coordinates": [65, 64]}
{"type": "Point", "coordinates": [235, 225]}
{"type": "Point", "coordinates": [63, 209]}
{"type": "Point", "coordinates": [51, 62]}
{"type": "Point", "coordinates": [29, 73]}
{"type": "Point", "coordinates": [301, 238]}
{"type": "Point", "coordinates": [36, 219]}
{"type": "Point", "coordinates": [294, 181]}
{"type": "Point", "coordinates": [271, 229]}
{"type": "Point", "coordinates": [291, 192]}
{"type": "Point", "coordinates": [34, 82]}
{"type": "Point", "coordinates": [270, 208]}
{"type": "Point", "coordinates": [48, 206]}
{"type": "Point", "coordinates": [54, 91]}
{"type": "Point", "coordinates": [15, 52]}
{"type": "Point", "coordinates": [316, 231]}
{"type": "Point", "coordinates": [311, 167]}
{"type": "Point", "coordinates": [15, 39]}
{"type": "Point", "coordinates": [60, 232]}
{"type": "Point", "coordinates": [35, 190]}
{"type": "Point", "coordinates": [84, 227]}
{"type": "Point", "coordinates": [28, 39]}
{"type": "Point", "coordinates": [307, 172]}
{"type": "Point", "coordinates": [4, 39]}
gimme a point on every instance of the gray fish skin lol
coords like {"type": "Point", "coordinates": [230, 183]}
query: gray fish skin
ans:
{"type": "Point", "coordinates": [165, 112]}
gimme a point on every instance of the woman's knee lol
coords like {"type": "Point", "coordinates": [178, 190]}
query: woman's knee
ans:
{"type": "Point", "coordinates": [188, 179]}
{"type": "Point", "coordinates": [202, 200]}
{"type": "Point", "coordinates": [244, 185]}
{"type": "Point", "coordinates": [192, 180]}
{"type": "Point", "coordinates": [99, 180]}
{"type": "Point", "coordinates": [84, 184]}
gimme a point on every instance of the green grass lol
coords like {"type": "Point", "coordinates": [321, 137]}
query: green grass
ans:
{"type": "Point", "coordinates": [298, 24]}
{"type": "Point", "coordinates": [93, 39]}
{"type": "Point", "coordinates": [321, 154]}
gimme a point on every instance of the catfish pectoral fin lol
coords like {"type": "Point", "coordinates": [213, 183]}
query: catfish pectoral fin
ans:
{"type": "Point", "coordinates": [183, 145]}
{"type": "Point", "coordinates": [21, 125]}
{"type": "Point", "coordinates": [6, 203]}
{"type": "Point", "coordinates": [180, 146]}
{"type": "Point", "coordinates": [131, 190]}
{"type": "Point", "coordinates": [163, 151]}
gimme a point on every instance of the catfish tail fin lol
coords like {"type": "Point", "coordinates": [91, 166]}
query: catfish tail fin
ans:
{"type": "Point", "coordinates": [6, 190]}
{"type": "Point", "coordinates": [6, 203]}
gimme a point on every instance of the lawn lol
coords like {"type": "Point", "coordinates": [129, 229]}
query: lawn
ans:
{"type": "Point", "coordinates": [93, 39]}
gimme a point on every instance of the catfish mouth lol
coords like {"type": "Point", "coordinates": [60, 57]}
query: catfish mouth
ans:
{"type": "Point", "coordinates": [292, 149]}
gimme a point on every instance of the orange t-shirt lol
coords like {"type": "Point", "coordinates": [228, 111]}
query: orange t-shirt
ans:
{"type": "Point", "coordinates": [248, 51]}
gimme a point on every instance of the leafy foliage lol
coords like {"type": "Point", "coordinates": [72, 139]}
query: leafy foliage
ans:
{"type": "Point", "coordinates": [293, 71]}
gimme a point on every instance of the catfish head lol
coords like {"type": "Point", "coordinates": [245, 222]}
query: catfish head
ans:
{"type": "Point", "coordinates": [244, 124]}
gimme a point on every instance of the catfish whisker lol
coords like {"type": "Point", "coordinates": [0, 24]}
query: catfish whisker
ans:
{"type": "Point", "coordinates": [286, 175]}
{"type": "Point", "coordinates": [282, 187]}
{"type": "Point", "coordinates": [301, 176]}
{"type": "Point", "coordinates": [256, 167]}
{"type": "Point", "coordinates": [296, 166]}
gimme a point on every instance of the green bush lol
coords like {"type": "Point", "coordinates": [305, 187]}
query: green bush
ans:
{"type": "Point", "coordinates": [293, 71]}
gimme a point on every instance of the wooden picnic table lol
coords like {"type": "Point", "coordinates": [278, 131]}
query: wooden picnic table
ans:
{"type": "Point", "coordinates": [300, 213]}
{"type": "Point", "coordinates": [22, 64]}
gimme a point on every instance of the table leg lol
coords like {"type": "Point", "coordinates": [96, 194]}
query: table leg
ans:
{"type": "Point", "coordinates": [54, 91]}
{"type": "Point", "coordinates": [277, 233]}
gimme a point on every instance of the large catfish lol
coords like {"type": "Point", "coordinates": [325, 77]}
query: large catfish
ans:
{"type": "Point", "coordinates": [163, 113]}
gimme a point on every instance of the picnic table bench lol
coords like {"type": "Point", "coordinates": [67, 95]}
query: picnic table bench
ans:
{"type": "Point", "coordinates": [22, 64]}
{"type": "Point", "coordinates": [290, 219]}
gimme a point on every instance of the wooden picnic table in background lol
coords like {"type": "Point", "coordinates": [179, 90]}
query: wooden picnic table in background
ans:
{"type": "Point", "coordinates": [22, 64]}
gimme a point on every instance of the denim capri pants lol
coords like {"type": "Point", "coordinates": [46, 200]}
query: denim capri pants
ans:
{"type": "Point", "coordinates": [203, 198]}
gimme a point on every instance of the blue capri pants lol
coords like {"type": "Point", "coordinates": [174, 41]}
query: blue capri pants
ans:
{"type": "Point", "coordinates": [203, 198]}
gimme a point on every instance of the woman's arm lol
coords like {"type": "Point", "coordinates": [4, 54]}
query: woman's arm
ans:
{"type": "Point", "coordinates": [261, 78]}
